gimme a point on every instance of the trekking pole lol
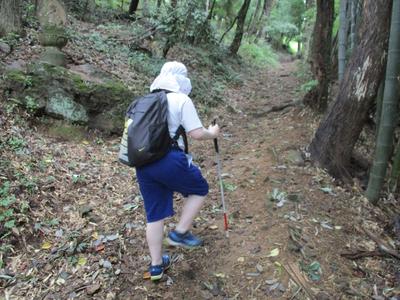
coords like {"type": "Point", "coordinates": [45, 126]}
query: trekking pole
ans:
{"type": "Point", "coordinates": [221, 186]}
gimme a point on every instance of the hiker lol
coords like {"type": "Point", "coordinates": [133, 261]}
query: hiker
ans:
{"type": "Point", "coordinates": [174, 172]}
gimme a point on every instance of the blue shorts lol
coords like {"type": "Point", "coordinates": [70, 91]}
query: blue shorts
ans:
{"type": "Point", "coordinates": [159, 180]}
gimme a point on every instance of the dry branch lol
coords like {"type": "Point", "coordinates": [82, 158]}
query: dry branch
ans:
{"type": "Point", "coordinates": [274, 108]}
{"type": "Point", "coordinates": [382, 244]}
{"type": "Point", "coordinates": [296, 275]}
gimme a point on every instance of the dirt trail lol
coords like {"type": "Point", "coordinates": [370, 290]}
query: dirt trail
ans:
{"type": "Point", "coordinates": [255, 151]}
{"type": "Point", "coordinates": [97, 204]}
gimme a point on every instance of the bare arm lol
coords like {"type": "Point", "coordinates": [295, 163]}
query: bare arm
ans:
{"type": "Point", "coordinates": [205, 134]}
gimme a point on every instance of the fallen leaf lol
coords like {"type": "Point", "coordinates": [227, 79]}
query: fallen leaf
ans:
{"type": "Point", "coordinates": [146, 275]}
{"type": "Point", "coordinates": [46, 245]}
{"type": "Point", "coordinates": [93, 289]}
{"type": "Point", "coordinates": [82, 261]}
{"type": "Point", "coordinates": [271, 281]}
{"type": "Point", "coordinates": [219, 275]}
{"type": "Point", "coordinates": [100, 247]}
{"type": "Point", "coordinates": [273, 253]}
{"type": "Point", "coordinates": [95, 235]}
{"type": "Point", "coordinates": [60, 281]}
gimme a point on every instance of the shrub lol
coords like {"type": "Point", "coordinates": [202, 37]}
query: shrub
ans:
{"type": "Point", "coordinates": [258, 54]}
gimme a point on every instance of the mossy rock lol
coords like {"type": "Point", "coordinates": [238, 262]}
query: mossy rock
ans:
{"type": "Point", "coordinates": [53, 36]}
{"type": "Point", "coordinates": [64, 107]}
{"type": "Point", "coordinates": [64, 94]}
{"type": "Point", "coordinates": [65, 131]}
{"type": "Point", "coordinates": [53, 56]}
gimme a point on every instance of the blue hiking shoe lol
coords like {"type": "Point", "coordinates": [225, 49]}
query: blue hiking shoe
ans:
{"type": "Point", "coordinates": [156, 272]}
{"type": "Point", "coordinates": [187, 239]}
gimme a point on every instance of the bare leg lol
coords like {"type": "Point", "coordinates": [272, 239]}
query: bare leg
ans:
{"type": "Point", "coordinates": [154, 235]}
{"type": "Point", "coordinates": [189, 212]}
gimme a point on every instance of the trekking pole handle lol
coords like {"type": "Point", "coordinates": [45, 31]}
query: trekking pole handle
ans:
{"type": "Point", "coordinates": [215, 140]}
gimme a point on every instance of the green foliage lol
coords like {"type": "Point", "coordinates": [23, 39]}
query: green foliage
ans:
{"type": "Point", "coordinates": [7, 213]}
{"type": "Point", "coordinates": [146, 65]}
{"type": "Point", "coordinates": [185, 23]}
{"type": "Point", "coordinates": [258, 54]}
{"type": "Point", "coordinates": [98, 41]}
{"type": "Point", "coordinates": [16, 143]}
{"type": "Point", "coordinates": [309, 85]}
{"type": "Point", "coordinates": [12, 39]}
{"type": "Point", "coordinates": [31, 104]}
{"type": "Point", "coordinates": [286, 22]}
{"type": "Point", "coordinates": [313, 270]}
{"type": "Point", "coordinates": [113, 4]}
{"type": "Point", "coordinates": [66, 131]}
{"type": "Point", "coordinates": [78, 178]}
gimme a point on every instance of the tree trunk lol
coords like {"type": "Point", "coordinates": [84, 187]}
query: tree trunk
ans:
{"type": "Point", "coordinates": [253, 18]}
{"type": "Point", "coordinates": [395, 175]}
{"type": "Point", "coordinates": [133, 6]}
{"type": "Point", "coordinates": [342, 38]}
{"type": "Point", "coordinates": [334, 57]}
{"type": "Point", "coordinates": [317, 98]}
{"type": "Point", "coordinates": [145, 8]}
{"type": "Point", "coordinates": [211, 11]}
{"type": "Point", "coordinates": [333, 143]}
{"type": "Point", "coordinates": [389, 118]}
{"type": "Point", "coordinates": [310, 3]}
{"type": "Point", "coordinates": [234, 47]}
{"type": "Point", "coordinates": [267, 7]}
{"type": "Point", "coordinates": [10, 17]}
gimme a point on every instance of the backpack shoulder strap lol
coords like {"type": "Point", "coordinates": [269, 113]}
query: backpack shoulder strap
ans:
{"type": "Point", "coordinates": [182, 132]}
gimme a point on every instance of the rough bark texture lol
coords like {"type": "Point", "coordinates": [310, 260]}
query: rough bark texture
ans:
{"type": "Point", "coordinates": [317, 98]}
{"type": "Point", "coordinates": [337, 134]}
{"type": "Point", "coordinates": [10, 17]}
{"type": "Point", "coordinates": [389, 117]}
{"type": "Point", "coordinates": [133, 6]}
{"type": "Point", "coordinates": [233, 49]}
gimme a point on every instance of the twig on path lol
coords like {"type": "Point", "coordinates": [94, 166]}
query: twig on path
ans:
{"type": "Point", "coordinates": [295, 274]}
{"type": "Point", "coordinates": [295, 294]}
{"type": "Point", "coordinates": [274, 108]}
{"type": "Point", "coordinates": [381, 244]}
{"type": "Point", "coordinates": [361, 253]}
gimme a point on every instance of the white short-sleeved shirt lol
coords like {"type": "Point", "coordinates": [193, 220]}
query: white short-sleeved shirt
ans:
{"type": "Point", "coordinates": [181, 111]}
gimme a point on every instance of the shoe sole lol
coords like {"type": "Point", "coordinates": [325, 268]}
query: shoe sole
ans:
{"type": "Point", "coordinates": [177, 244]}
{"type": "Point", "coordinates": [157, 277]}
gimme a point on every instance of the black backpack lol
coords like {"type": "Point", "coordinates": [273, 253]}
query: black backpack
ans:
{"type": "Point", "coordinates": [146, 136]}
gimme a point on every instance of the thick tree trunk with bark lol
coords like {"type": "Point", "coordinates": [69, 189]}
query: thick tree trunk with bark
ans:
{"type": "Point", "coordinates": [133, 6]}
{"type": "Point", "coordinates": [343, 29]}
{"type": "Point", "coordinates": [234, 47]}
{"type": "Point", "coordinates": [10, 17]}
{"type": "Point", "coordinates": [337, 134]}
{"type": "Point", "coordinates": [317, 98]}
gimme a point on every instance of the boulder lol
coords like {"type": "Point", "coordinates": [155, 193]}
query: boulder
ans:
{"type": "Point", "coordinates": [5, 48]}
{"type": "Point", "coordinates": [53, 56]}
{"type": "Point", "coordinates": [97, 101]}
{"type": "Point", "coordinates": [18, 64]}
{"type": "Point", "coordinates": [51, 12]}
{"type": "Point", "coordinates": [63, 106]}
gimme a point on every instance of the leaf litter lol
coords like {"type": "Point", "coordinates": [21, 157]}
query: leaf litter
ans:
{"type": "Point", "coordinates": [96, 244]}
